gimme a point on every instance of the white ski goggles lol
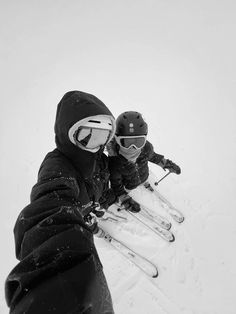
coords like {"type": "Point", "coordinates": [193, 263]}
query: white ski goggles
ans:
{"type": "Point", "coordinates": [131, 141]}
{"type": "Point", "coordinates": [93, 132]}
{"type": "Point", "coordinates": [91, 138]}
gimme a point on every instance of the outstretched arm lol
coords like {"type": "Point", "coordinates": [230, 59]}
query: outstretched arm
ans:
{"type": "Point", "coordinates": [50, 233]}
{"type": "Point", "coordinates": [161, 161]}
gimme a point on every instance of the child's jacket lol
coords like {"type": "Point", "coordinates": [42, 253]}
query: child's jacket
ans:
{"type": "Point", "coordinates": [128, 175]}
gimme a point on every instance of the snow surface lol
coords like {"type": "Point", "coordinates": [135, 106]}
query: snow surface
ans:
{"type": "Point", "coordinates": [194, 271]}
{"type": "Point", "coordinates": [174, 61]}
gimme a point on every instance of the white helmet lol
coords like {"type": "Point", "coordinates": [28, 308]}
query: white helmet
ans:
{"type": "Point", "coordinates": [93, 132]}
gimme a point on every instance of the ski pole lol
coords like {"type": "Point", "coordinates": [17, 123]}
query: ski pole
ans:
{"type": "Point", "coordinates": [156, 183]}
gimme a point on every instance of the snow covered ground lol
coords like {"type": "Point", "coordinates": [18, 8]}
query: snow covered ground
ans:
{"type": "Point", "coordinates": [196, 272]}
{"type": "Point", "coordinates": [174, 61]}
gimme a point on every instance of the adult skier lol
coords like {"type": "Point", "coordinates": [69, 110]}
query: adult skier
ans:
{"type": "Point", "coordinates": [129, 154]}
{"type": "Point", "coordinates": [59, 270]}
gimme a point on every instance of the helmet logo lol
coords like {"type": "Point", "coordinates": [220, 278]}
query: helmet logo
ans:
{"type": "Point", "coordinates": [131, 128]}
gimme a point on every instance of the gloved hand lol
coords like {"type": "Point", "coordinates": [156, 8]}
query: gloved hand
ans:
{"type": "Point", "coordinates": [171, 166]}
{"type": "Point", "coordinates": [91, 222]}
{"type": "Point", "coordinates": [129, 204]}
{"type": "Point", "coordinates": [98, 211]}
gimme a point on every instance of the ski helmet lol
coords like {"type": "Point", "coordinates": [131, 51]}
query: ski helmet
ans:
{"type": "Point", "coordinates": [92, 132]}
{"type": "Point", "coordinates": [131, 123]}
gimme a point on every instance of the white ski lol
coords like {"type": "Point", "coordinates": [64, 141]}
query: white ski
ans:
{"type": "Point", "coordinates": [158, 219]}
{"type": "Point", "coordinates": [141, 262]}
{"type": "Point", "coordinates": [151, 225]}
{"type": "Point", "coordinates": [172, 211]}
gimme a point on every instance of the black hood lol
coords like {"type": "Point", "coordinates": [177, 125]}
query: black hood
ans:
{"type": "Point", "coordinates": [73, 107]}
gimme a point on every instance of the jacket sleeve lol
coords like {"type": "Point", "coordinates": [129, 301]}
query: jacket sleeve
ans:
{"type": "Point", "coordinates": [153, 156]}
{"type": "Point", "coordinates": [116, 177]}
{"type": "Point", "coordinates": [50, 233]}
{"type": "Point", "coordinates": [53, 196]}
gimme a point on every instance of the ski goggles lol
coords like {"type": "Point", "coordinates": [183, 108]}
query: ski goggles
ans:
{"type": "Point", "coordinates": [91, 138]}
{"type": "Point", "coordinates": [131, 141]}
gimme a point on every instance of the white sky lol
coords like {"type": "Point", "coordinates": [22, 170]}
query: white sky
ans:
{"type": "Point", "coordinates": [172, 60]}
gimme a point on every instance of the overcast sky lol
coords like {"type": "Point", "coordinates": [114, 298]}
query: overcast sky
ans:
{"type": "Point", "coordinates": [172, 60]}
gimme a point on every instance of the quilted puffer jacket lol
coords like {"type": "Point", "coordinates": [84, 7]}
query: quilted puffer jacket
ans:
{"type": "Point", "coordinates": [125, 174]}
{"type": "Point", "coordinates": [59, 270]}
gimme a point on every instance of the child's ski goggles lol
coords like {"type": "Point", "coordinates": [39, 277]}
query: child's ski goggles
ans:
{"type": "Point", "coordinates": [131, 141]}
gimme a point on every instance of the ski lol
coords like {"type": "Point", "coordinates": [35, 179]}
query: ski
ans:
{"type": "Point", "coordinates": [172, 211]}
{"type": "Point", "coordinates": [139, 261]}
{"type": "Point", "coordinates": [118, 217]}
{"type": "Point", "coordinates": [158, 219]}
{"type": "Point", "coordinates": [151, 225]}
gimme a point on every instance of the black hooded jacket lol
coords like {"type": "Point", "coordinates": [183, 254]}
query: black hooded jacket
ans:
{"type": "Point", "coordinates": [54, 245]}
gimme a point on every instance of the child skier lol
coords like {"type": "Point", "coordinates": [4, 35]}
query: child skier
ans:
{"type": "Point", "coordinates": [59, 269]}
{"type": "Point", "coordinates": [129, 153]}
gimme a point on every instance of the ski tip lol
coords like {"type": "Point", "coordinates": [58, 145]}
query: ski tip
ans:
{"type": "Point", "coordinates": [156, 275]}
{"type": "Point", "coordinates": [172, 239]}
{"type": "Point", "coordinates": [180, 220]}
{"type": "Point", "coordinates": [169, 226]}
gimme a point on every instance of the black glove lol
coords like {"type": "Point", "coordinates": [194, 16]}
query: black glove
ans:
{"type": "Point", "coordinates": [93, 207]}
{"type": "Point", "coordinates": [171, 166]}
{"type": "Point", "coordinates": [129, 204]}
{"type": "Point", "coordinates": [98, 211]}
